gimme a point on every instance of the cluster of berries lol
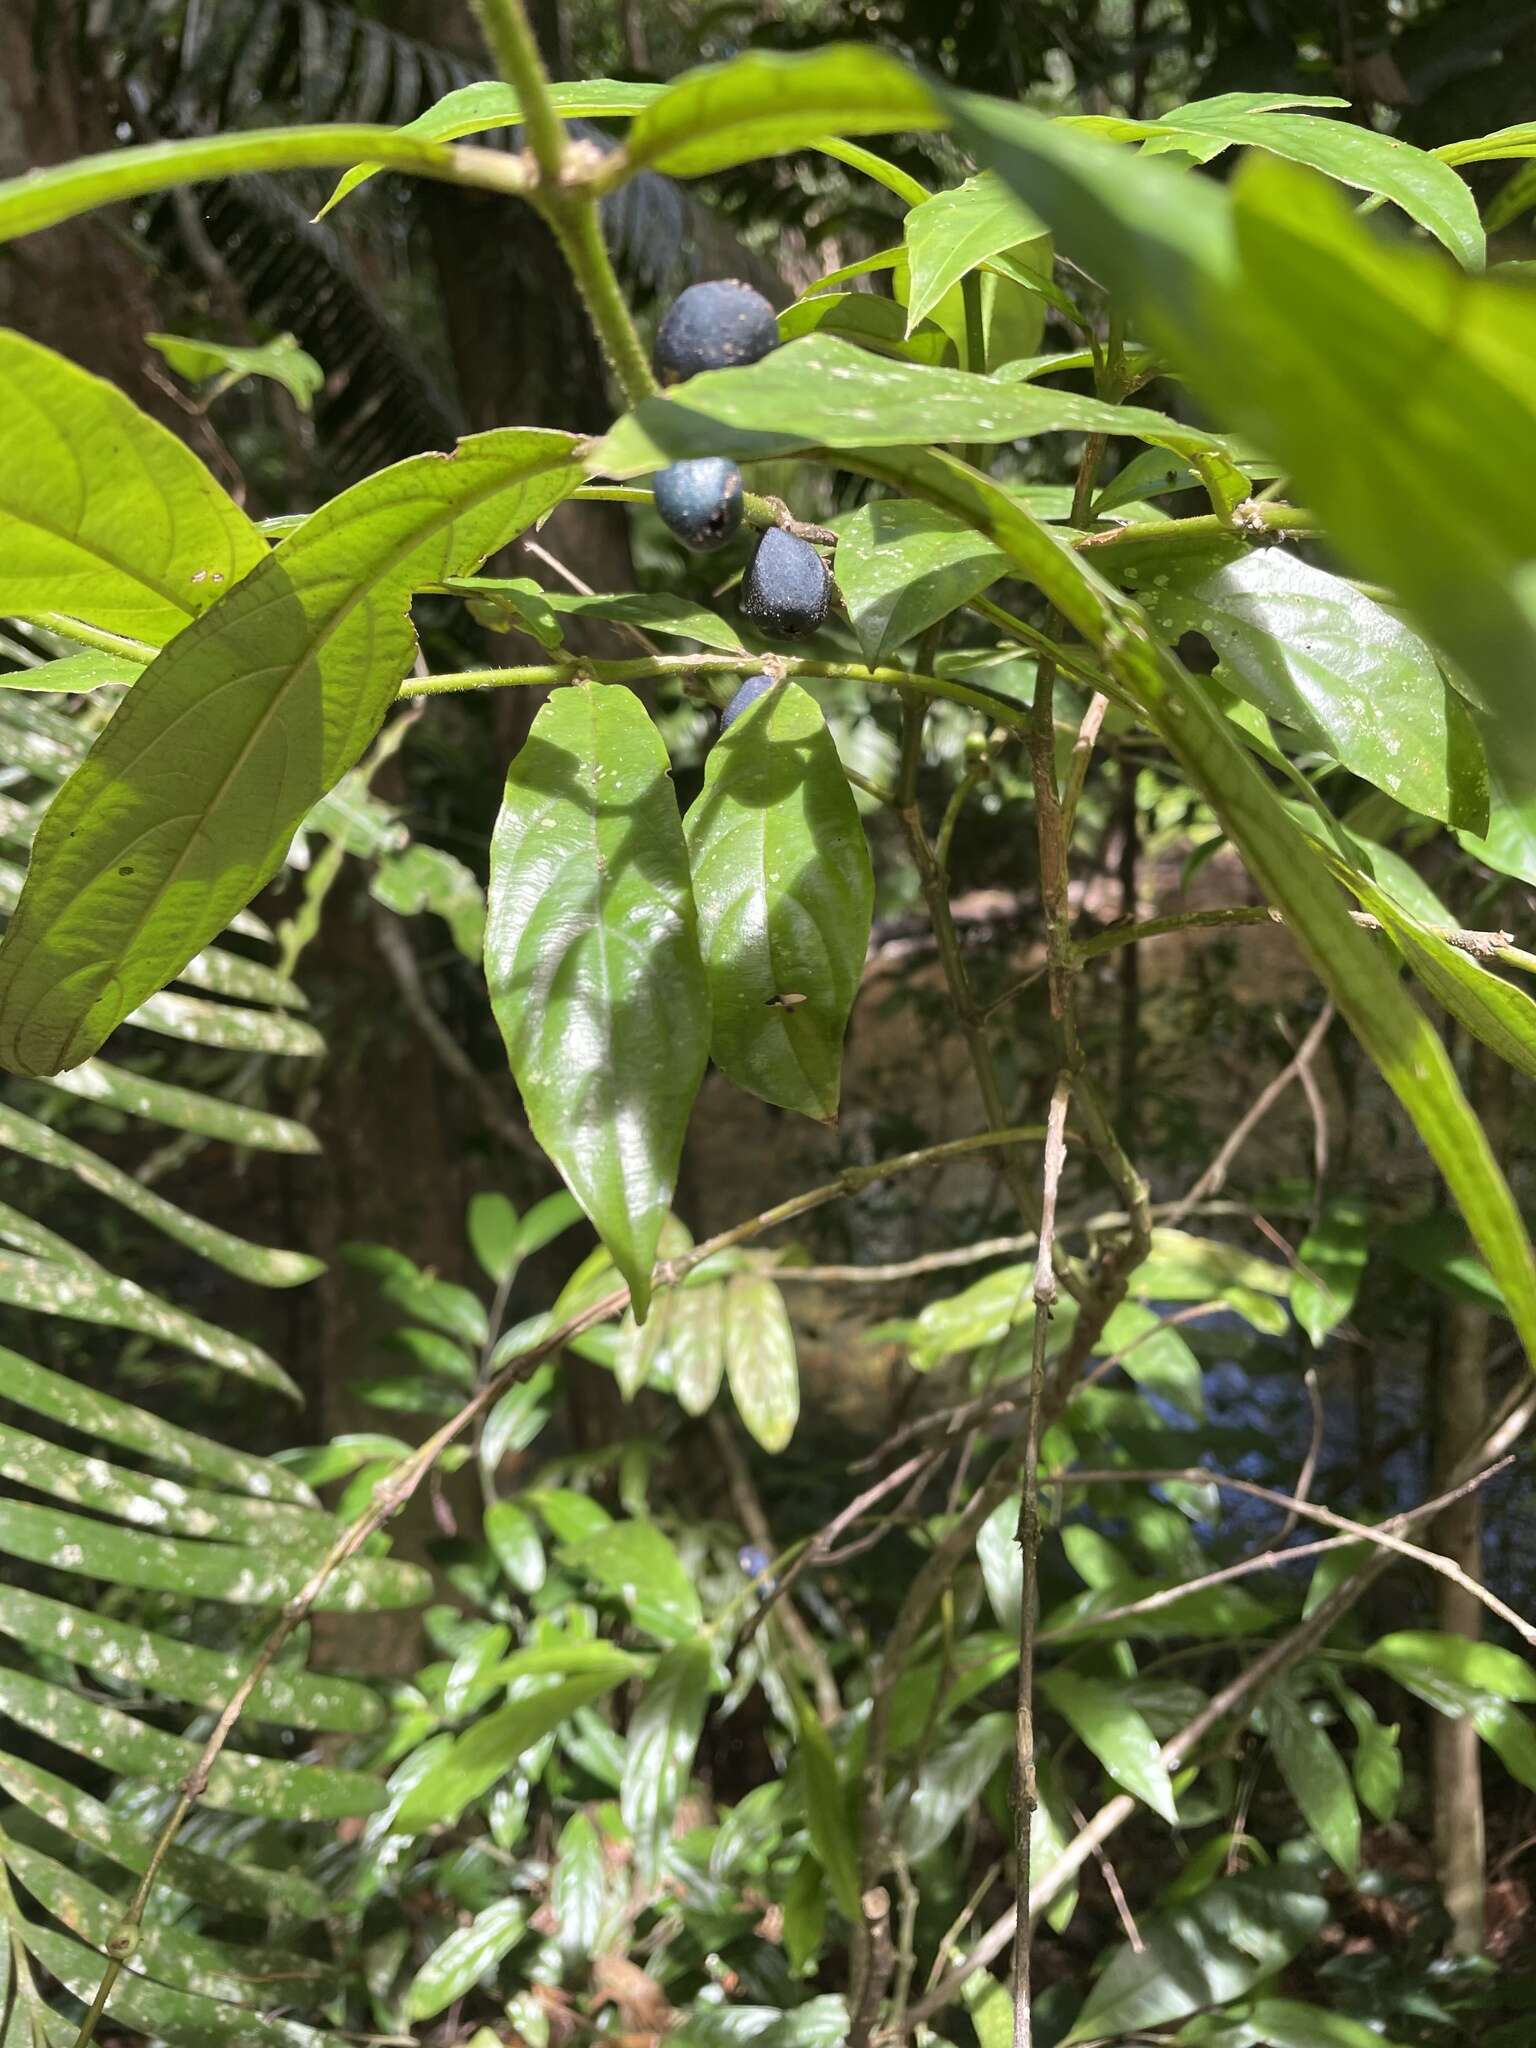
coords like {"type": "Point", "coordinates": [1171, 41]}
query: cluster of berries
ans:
{"type": "Point", "coordinates": [787, 590]}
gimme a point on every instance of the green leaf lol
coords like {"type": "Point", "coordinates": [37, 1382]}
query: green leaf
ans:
{"type": "Point", "coordinates": [76, 673]}
{"type": "Point", "coordinates": [428, 878]}
{"type": "Point", "coordinates": [986, 1310]}
{"type": "Point", "coordinates": [486, 1752]}
{"type": "Point", "coordinates": [104, 514]}
{"type": "Point", "coordinates": [1347, 675]}
{"type": "Point", "coordinates": [823, 392]}
{"type": "Point", "coordinates": [902, 566]}
{"type": "Point", "coordinates": [218, 1881]}
{"type": "Point", "coordinates": [492, 1225]}
{"type": "Point", "coordinates": [1155, 1356]}
{"type": "Point", "coordinates": [785, 891]}
{"type": "Point", "coordinates": [1330, 1266]}
{"type": "Point", "coordinates": [1377, 1765]}
{"type": "Point", "coordinates": [184, 1109]}
{"type": "Point", "coordinates": [1117, 1734]}
{"type": "Point", "coordinates": [951, 1782]}
{"type": "Point", "coordinates": [636, 1563]}
{"type": "Point", "coordinates": [135, 866]}
{"type": "Point", "coordinates": [578, 1889]}
{"type": "Point", "coordinates": [40, 199]}
{"type": "Point", "coordinates": [236, 1573]}
{"type": "Point", "coordinates": [1286, 2023]}
{"type": "Point", "coordinates": [804, 1904]}
{"type": "Point", "coordinates": [472, 109]}
{"type": "Point", "coordinates": [1420, 183]}
{"type": "Point", "coordinates": [1239, 1931]}
{"type": "Point", "coordinates": [696, 1346]}
{"type": "Point", "coordinates": [257, 1263]}
{"type": "Point", "coordinates": [546, 1221]}
{"type": "Point", "coordinates": [281, 360]}
{"type": "Point", "coordinates": [1482, 1666]}
{"type": "Point", "coordinates": [760, 1361]}
{"type": "Point", "coordinates": [764, 104]}
{"type": "Point", "coordinates": [105, 1419]}
{"type": "Point", "coordinates": [593, 963]}
{"type": "Point", "coordinates": [650, 611]}
{"type": "Point", "coordinates": [120, 1742]}
{"type": "Point", "coordinates": [468, 1954]}
{"type": "Point", "coordinates": [1315, 1774]}
{"type": "Point", "coordinates": [955, 231]}
{"type": "Point", "coordinates": [513, 1536]}
{"type": "Point", "coordinates": [860, 317]}
{"type": "Point", "coordinates": [659, 1750]}
{"type": "Point", "coordinates": [826, 1811]}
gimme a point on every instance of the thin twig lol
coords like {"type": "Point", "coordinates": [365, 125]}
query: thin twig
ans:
{"type": "Point", "coordinates": [1025, 1788]}
{"type": "Point", "coordinates": [1215, 1174]}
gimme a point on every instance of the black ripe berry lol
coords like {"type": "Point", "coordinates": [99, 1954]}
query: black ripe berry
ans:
{"type": "Point", "coordinates": [750, 691]}
{"type": "Point", "coordinates": [700, 501]}
{"type": "Point", "coordinates": [787, 590]}
{"type": "Point", "coordinates": [715, 326]}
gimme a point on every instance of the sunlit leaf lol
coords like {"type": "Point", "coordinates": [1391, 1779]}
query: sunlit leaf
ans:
{"type": "Point", "coordinates": [760, 1364]}
{"type": "Point", "coordinates": [659, 1749]}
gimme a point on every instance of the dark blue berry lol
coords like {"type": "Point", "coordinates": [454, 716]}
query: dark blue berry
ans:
{"type": "Point", "coordinates": [753, 688]}
{"type": "Point", "coordinates": [700, 501]}
{"type": "Point", "coordinates": [787, 589]}
{"type": "Point", "coordinates": [714, 326]}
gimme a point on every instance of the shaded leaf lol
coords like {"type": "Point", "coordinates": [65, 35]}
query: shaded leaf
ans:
{"type": "Point", "coordinates": [950, 1784]}
{"type": "Point", "coordinates": [468, 1954]}
{"type": "Point", "coordinates": [1315, 1774]}
{"type": "Point", "coordinates": [826, 1811]}
{"type": "Point", "coordinates": [659, 1749]}
{"type": "Point", "coordinates": [637, 1564]}
{"type": "Point", "coordinates": [593, 963]}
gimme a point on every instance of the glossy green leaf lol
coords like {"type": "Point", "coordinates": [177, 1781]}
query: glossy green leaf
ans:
{"type": "Point", "coordinates": [1238, 1932]}
{"type": "Point", "coordinates": [785, 891]}
{"type": "Point", "coordinates": [65, 1283]}
{"type": "Point", "coordinates": [954, 231]}
{"type": "Point", "coordinates": [472, 109]}
{"type": "Point", "coordinates": [1377, 1764]}
{"type": "Point", "coordinates": [1483, 1666]}
{"type": "Point", "coordinates": [1498, 1012]}
{"type": "Point", "coordinates": [544, 1222]}
{"type": "Point", "coordinates": [184, 1109]}
{"type": "Point", "coordinates": [823, 392]}
{"type": "Point", "coordinates": [175, 1955]}
{"type": "Point", "coordinates": [764, 104]}
{"type": "Point", "coordinates": [1155, 1356]}
{"type": "Point", "coordinates": [593, 963]}
{"type": "Point", "coordinates": [870, 322]}
{"type": "Point", "coordinates": [826, 1811]}
{"type": "Point", "coordinates": [428, 878]}
{"type": "Point", "coordinates": [981, 1313]}
{"type": "Point", "coordinates": [513, 1535]}
{"type": "Point", "coordinates": [104, 514]}
{"type": "Point", "coordinates": [634, 1562]}
{"type": "Point", "coordinates": [195, 1022]}
{"type": "Point", "coordinates": [106, 1419]}
{"type": "Point", "coordinates": [134, 1656]}
{"type": "Point", "coordinates": [41, 1142]}
{"type": "Point", "coordinates": [145, 853]}
{"type": "Point", "coordinates": [487, 1751]}
{"type": "Point", "coordinates": [578, 1889]}
{"type": "Point", "coordinates": [1330, 1266]}
{"type": "Point", "coordinates": [236, 1573]}
{"type": "Point", "coordinates": [42, 198]}
{"type": "Point", "coordinates": [468, 1954]}
{"type": "Point", "coordinates": [181, 2019]}
{"type": "Point", "coordinates": [950, 1784]}
{"type": "Point", "coordinates": [1116, 1733]}
{"type": "Point", "coordinates": [902, 566]}
{"type": "Point", "coordinates": [281, 360]}
{"type": "Point", "coordinates": [241, 1784]}
{"type": "Point", "coordinates": [1338, 669]}
{"type": "Point", "coordinates": [760, 1363]}
{"type": "Point", "coordinates": [696, 1346]}
{"type": "Point", "coordinates": [649, 611]}
{"type": "Point", "coordinates": [1315, 1773]}
{"type": "Point", "coordinates": [74, 673]}
{"type": "Point", "coordinates": [1423, 185]}
{"type": "Point", "coordinates": [148, 1502]}
{"type": "Point", "coordinates": [1287, 2023]}
{"type": "Point", "coordinates": [659, 1749]}
{"type": "Point", "coordinates": [226, 1883]}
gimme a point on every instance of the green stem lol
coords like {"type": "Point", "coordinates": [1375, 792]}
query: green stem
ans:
{"type": "Point", "coordinates": [569, 207]}
{"type": "Point", "coordinates": [541, 675]}
{"type": "Point", "coordinates": [513, 44]}
{"type": "Point", "coordinates": [1078, 666]}
{"type": "Point", "coordinates": [1162, 537]}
